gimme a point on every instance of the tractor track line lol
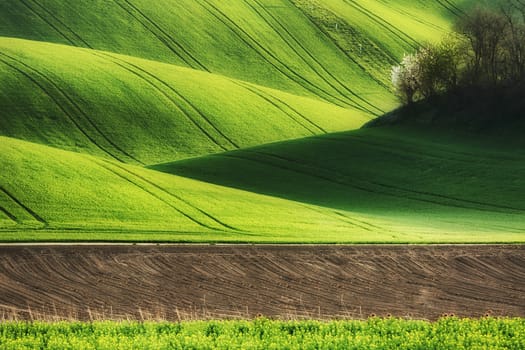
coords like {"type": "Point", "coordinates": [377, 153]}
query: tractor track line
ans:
{"type": "Point", "coordinates": [344, 52]}
{"type": "Point", "coordinates": [447, 5]}
{"type": "Point", "coordinates": [189, 54]}
{"type": "Point", "coordinates": [178, 198]}
{"type": "Point", "coordinates": [47, 22]}
{"type": "Point", "coordinates": [59, 105]}
{"type": "Point", "coordinates": [135, 71]}
{"type": "Point", "coordinates": [301, 115]}
{"type": "Point", "coordinates": [398, 188]}
{"type": "Point", "coordinates": [105, 166]}
{"type": "Point", "coordinates": [387, 26]}
{"type": "Point", "coordinates": [363, 186]}
{"type": "Point", "coordinates": [61, 23]}
{"type": "Point", "coordinates": [161, 35]}
{"type": "Point", "coordinates": [273, 103]}
{"type": "Point", "coordinates": [79, 110]}
{"type": "Point", "coordinates": [411, 150]}
{"type": "Point", "coordinates": [8, 214]}
{"type": "Point", "coordinates": [26, 208]}
{"type": "Point", "coordinates": [292, 75]}
{"type": "Point", "coordinates": [312, 57]}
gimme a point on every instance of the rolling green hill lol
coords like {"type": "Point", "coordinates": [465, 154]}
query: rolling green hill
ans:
{"type": "Point", "coordinates": [49, 194]}
{"type": "Point", "coordinates": [145, 112]}
{"type": "Point", "coordinates": [93, 92]}
{"type": "Point", "coordinates": [416, 176]}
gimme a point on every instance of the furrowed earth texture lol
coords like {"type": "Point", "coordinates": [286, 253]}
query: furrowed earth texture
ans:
{"type": "Point", "coordinates": [207, 121]}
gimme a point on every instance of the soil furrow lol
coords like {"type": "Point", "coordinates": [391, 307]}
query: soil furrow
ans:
{"type": "Point", "coordinates": [214, 281]}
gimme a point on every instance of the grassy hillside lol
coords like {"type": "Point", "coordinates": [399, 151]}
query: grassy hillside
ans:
{"type": "Point", "coordinates": [49, 194]}
{"type": "Point", "coordinates": [44, 196]}
{"type": "Point", "coordinates": [335, 50]}
{"type": "Point", "coordinates": [143, 111]}
{"type": "Point", "coordinates": [408, 177]}
{"type": "Point", "coordinates": [90, 91]}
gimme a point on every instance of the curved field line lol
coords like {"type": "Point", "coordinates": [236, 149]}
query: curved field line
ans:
{"type": "Point", "coordinates": [260, 92]}
{"type": "Point", "coordinates": [136, 70]}
{"type": "Point", "coordinates": [227, 226]}
{"type": "Point", "coordinates": [177, 197]}
{"type": "Point", "coordinates": [344, 52]}
{"type": "Point", "coordinates": [161, 35]}
{"type": "Point", "coordinates": [397, 188]}
{"type": "Point", "coordinates": [71, 103]}
{"type": "Point", "coordinates": [406, 148]}
{"type": "Point", "coordinates": [456, 11]}
{"type": "Point", "coordinates": [387, 26]}
{"type": "Point", "coordinates": [26, 208]}
{"type": "Point", "coordinates": [47, 22]}
{"type": "Point", "coordinates": [363, 185]}
{"type": "Point", "coordinates": [268, 99]}
{"type": "Point", "coordinates": [8, 214]}
{"type": "Point", "coordinates": [170, 38]}
{"type": "Point", "coordinates": [268, 56]}
{"type": "Point", "coordinates": [105, 166]}
{"type": "Point", "coordinates": [312, 57]}
{"type": "Point", "coordinates": [61, 23]}
{"type": "Point", "coordinates": [58, 104]}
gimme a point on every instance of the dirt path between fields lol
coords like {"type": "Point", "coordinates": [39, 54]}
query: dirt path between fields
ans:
{"type": "Point", "coordinates": [224, 281]}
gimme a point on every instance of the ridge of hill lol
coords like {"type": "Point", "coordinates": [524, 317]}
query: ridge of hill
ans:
{"type": "Point", "coordinates": [47, 194]}
{"type": "Point", "coordinates": [92, 91]}
{"type": "Point", "coordinates": [334, 50]}
{"type": "Point", "coordinates": [142, 111]}
{"type": "Point", "coordinates": [407, 174]}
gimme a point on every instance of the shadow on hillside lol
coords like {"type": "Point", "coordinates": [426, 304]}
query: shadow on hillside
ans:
{"type": "Point", "coordinates": [370, 170]}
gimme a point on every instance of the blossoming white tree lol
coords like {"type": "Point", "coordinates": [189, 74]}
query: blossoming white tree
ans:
{"type": "Point", "coordinates": [406, 78]}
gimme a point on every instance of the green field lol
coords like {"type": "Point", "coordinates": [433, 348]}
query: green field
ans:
{"type": "Point", "coordinates": [375, 333]}
{"type": "Point", "coordinates": [230, 121]}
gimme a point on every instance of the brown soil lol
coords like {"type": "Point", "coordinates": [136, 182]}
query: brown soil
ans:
{"type": "Point", "coordinates": [223, 281]}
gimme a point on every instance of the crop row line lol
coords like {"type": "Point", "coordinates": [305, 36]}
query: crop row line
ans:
{"type": "Point", "coordinates": [428, 197]}
{"type": "Point", "coordinates": [322, 30]}
{"type": "Point", "coordinates": [315, 61]}
{"type": "Point", "coordinates": [383, 23]}
{"type": "Point", "coordinates": [46, 84]}
{"type": "Point", "coordinates": [316, 170]}
{"type": "Point", "coordinates": [56, 28]}
{"type": "Point", "coordinates": [171, 195]}
{"type": "Point", "coordinates": [272, 59]}
{"type": "Point", "coordinates": [23, 206]}
{"type": "Point", "coordinates": [144, 74]}
{"type": "Point", "coordinates": [161, 34]}
{"type": "Point", "coordinates": [274, 101]}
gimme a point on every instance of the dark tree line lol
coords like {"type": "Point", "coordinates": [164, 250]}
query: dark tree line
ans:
{"type": "Point", "coordinates": [487, 50]}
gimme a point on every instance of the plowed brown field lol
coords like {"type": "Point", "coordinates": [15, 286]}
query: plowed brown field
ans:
{"type": "Point", "coordinates": [221, 281]}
